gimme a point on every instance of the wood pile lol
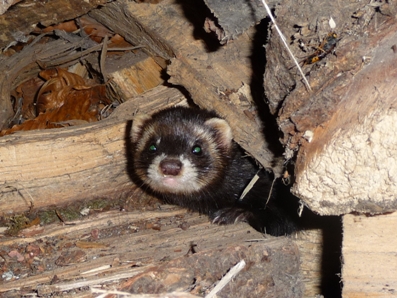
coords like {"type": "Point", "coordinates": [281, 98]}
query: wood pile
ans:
{"type": "Point", "coordinates": [332, 141]}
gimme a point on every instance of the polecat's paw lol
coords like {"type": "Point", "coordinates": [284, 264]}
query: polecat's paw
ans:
{"type": "Point", "coordinates": [262, 220]}
{"type": "Point", "coordinates": [228, 216]}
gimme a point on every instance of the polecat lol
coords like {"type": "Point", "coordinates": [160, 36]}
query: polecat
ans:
{"type": "Point", "coordinates": [187, 157]}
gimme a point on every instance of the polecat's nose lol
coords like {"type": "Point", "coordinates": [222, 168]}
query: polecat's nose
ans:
{"type": "Point", "coordinates": [171, 167]}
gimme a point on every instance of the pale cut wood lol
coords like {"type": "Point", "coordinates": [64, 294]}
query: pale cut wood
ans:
{"type": "Point", "coordinates": [131, 73]}
{"type": "Point", "coordinates": [144, 75]}
{"type": "Point", "coordinates": [53, 167]}
{"type": "Point", "coordinates": [369, 256]}
{"type": "Point", "coordinates": [217, 80]}
{"type": "Point", "coordinates": [348, 163]}
{"type": "Point", "coordinates": [310, 245]}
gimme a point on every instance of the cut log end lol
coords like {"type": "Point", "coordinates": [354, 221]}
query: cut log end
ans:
{"type": "Point", "coordinates": [349, 164]}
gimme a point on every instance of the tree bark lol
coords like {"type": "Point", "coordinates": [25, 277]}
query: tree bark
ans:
{"type": "Point", "coordinates": [340, 136]}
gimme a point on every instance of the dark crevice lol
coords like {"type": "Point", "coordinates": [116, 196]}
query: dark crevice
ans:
{"type": "Point", "coordinates": [196, 12]}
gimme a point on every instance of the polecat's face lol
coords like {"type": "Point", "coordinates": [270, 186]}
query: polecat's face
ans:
{"type": "Point", "coordinates": [180, 150]}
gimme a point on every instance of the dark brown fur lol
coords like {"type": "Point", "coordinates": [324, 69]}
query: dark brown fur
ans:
{"type": "Point", "coordinates": [187, 157]}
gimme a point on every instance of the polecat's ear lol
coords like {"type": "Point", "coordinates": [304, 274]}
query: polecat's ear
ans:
{"type": "Point", "coordinates": [224, 132]}
{"type": "Point", "coordinates": [137, 125]}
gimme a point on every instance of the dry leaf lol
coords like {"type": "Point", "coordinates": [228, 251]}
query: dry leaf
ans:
{"type": "Point", "coordinates": [64, 99]}
{"type": "Point", "coordinates": [68, 26]}
{"type": "Point", "coordinates": [94, 29]}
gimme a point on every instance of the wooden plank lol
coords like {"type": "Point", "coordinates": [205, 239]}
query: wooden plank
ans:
{"type": "Point", "coordinates": [310, 245]}
{"type": "Point", "coordinates": [54, 167]}
{"type": "Point", "coordinates": [369, 256]}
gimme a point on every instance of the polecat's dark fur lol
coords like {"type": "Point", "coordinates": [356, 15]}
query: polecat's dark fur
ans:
{"type": "Point", "coordinates": [187, 157]}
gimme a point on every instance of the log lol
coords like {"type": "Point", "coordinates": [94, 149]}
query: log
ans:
{"type": "Point", "coordinates": [152, 252]}
{"type": "Point", "coordinates": [342, 133]}
{"type": "Point", "coordinates": [130, 74]}
{"type": "Point", "coordinates": [339, 137]}
{"type": "Point", "coordinates": [369, 258]}
{"type": "Point", "coordinates": [38, 171]}
{"type": "Point", "coordinates": [139, 74]}
{"type": "Point", "coordinates": [349, 164]}
{"type": "Point", "coordinates": [121, 21]}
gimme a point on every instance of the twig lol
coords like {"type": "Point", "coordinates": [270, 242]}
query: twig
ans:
{"type": "Point", "coordinates": [271, 190]}
{"type": "Point", "coordinates": [286, 45]}
{"type": "Point", "coordinates": [227, 278]}
{"type": "Point", "coordinates": [103, 58]}
{"type": "Point", "coordinates": [249, 186]}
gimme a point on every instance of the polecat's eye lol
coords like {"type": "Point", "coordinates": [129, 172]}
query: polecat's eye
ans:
{"type": "Point", "coordinates": [152, 148]}
{"type": "Point", "coordinates": [196, 150]}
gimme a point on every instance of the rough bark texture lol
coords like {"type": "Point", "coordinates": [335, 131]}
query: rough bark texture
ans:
{"type": "Point", "coordinates": [235, 16]}
{"type": "Point", "coordinates": [344, 129]}
{"type": "Point", "coordinates": [350, 165]}
{"type": "Point", "coordinates": [273, 271]}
